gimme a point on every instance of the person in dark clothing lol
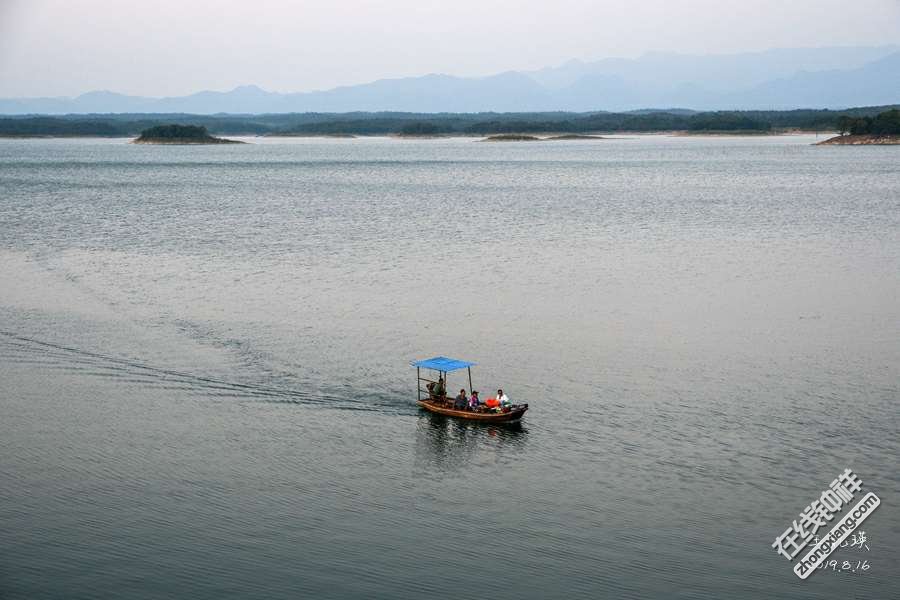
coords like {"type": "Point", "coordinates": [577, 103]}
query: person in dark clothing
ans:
{"type": "Point", "coordinates": [437, 389]}
{"type": "Point", "coordinates": [461, 400]}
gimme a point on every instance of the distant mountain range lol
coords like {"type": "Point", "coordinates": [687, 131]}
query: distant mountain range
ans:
{"type": "Point", "coordinates": [777, 79]}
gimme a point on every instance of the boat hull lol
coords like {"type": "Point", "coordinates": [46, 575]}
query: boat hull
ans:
{"type": "Point", "coordinates": [487, 417]}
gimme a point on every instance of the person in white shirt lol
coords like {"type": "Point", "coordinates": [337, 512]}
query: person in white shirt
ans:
{"type": "Point", "coordinates": [503, 399]}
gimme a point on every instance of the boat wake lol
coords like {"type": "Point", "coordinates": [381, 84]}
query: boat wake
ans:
{"type": "Point", "coordinates": [26, 350]}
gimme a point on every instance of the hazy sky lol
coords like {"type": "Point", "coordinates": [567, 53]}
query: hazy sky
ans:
{"type": "Point", "coordinates": [174, 47]}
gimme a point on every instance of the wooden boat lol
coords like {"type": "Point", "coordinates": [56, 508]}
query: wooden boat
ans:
{"type": "Point", "coordinates": [437, 406]}
{"type": "Point", "coordinates": [428, 400]}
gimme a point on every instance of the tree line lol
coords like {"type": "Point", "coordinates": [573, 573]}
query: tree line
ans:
{"type": "Point", "coordinates": [868, 119]}
{"type": "Point", "coordinates": [886, 123]}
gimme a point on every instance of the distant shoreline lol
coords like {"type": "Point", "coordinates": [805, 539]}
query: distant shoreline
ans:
{"type": "Point", "coordinates": [542, 136]}
{"type": "Point", "coordinates": [274, 134]}
{"type": "Point", "coordinates": [425, 125]}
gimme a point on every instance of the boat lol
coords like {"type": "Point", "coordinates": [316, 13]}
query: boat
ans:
{"type": "Point", "coordinates": [442, 405]}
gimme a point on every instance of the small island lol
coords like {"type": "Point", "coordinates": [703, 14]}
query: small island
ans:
{"type": "Point", "coordinates": [511, 137]}
{"type": "Point", "coordinates": [521, 137]}
{"type": "Point", "coordinates": [179, 134]}
{"type": "Point", "coordinates": [880, 130]}
{"type": "Point", "coordinates": [575, 136]}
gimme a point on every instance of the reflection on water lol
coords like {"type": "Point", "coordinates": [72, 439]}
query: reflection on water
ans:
{"type": "Point", "coordinates": [445, 445]}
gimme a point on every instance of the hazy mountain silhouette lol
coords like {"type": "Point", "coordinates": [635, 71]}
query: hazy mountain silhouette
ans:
{"type": "Point", "coordinates": [781, 78]}
{"type": "Point", "coordinates": [875, 83]}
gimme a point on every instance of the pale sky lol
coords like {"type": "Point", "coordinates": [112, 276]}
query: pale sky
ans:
{"type": "Point", "coordinates": [176, 47]}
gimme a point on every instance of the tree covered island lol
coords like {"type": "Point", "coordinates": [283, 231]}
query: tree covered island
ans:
{"type": "Point", "coordinates": [883, 128]}
{"type": "Point", "coordinates": [180, 134]}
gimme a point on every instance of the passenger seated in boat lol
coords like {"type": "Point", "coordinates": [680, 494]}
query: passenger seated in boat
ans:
{"type": "Point", "coordinates": [503, 399]}
{"type": "Point", "coordinates": [461, 400]}
{"type": "Point", "coordinates": [474, 403]}
{"type": "Point", "coordinates": [436, 389]}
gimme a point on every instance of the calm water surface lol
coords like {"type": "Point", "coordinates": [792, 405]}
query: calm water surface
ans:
{"type": "Point", "coordinates": [205, 391]}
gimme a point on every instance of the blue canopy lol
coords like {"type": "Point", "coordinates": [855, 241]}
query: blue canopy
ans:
{"type": "Point", "coordinates": [442, 363]}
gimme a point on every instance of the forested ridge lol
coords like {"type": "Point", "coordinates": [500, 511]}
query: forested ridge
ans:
{"type": "Point", "coordinates": [870, 119]}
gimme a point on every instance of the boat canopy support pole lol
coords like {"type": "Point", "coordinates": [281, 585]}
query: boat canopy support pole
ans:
{"type": "Point", "coordinates": [470, 379]}
{"type": "Point", "coordinates": [419, 382]}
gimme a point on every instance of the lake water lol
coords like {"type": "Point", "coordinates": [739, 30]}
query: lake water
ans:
{"type": "Point", "coordinates": [205, 388]}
